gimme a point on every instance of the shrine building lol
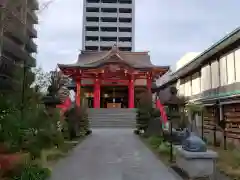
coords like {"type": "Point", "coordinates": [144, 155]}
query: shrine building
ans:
{"type": "Point", "coordinates": [112, 79]}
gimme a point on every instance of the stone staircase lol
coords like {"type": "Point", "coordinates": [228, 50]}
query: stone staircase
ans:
{"type": "Point", "coordinates": [112, 118]}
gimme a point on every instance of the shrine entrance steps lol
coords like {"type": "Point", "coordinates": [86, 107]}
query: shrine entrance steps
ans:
{"type": "Point", "coordinates": [112, 118]}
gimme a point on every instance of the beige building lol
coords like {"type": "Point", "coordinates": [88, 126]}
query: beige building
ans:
{"type": "Point", "coordinates": [213, 78]}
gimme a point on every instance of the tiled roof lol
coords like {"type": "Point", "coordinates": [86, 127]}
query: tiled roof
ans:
{"type": "Point", "coordinates": [90, 59]}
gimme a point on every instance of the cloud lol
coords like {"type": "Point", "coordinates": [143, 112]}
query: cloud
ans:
{"type": "Point", "coordinates": [166, 28]}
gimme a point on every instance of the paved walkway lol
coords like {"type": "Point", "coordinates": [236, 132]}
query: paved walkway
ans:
{"type": "Point", "coordinates": [111, 154]}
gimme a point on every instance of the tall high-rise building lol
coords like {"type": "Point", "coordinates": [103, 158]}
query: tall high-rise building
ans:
{"type": "Point", "coordinates": [18, 31]}
{"type": "Point", "coordinates": [108, 22]}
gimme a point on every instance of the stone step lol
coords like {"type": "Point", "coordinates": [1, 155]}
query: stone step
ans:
{"type": "Point", "coordinates": [110, 115]}
{"type": "Point", "coordinates": [111, 110]}
{"type": "Point", "coordinates": [113, 118]}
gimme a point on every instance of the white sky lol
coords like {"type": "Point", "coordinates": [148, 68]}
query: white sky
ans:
{"type": "Point", "coordinates": [166, 28]}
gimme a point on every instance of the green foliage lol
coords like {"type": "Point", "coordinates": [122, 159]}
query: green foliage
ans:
{"type": "Point", "coordinates": [195, 108]}
{"type": "Point", "coordinates": [77, 122]}
{"type": "Point", "coordinates": [32, 172]}
{"type": "Point", "coordinates": [145, 111]}
{"type": "Point", "coordinates": [164, 148]}
{"type": "Point", "coordinates": [155, 141]}
{"type": "Point", "coordinates": [25, 125]}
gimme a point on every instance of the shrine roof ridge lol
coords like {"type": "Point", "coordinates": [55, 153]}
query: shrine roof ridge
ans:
{"type": "Point", "coordinates": [95, 59]}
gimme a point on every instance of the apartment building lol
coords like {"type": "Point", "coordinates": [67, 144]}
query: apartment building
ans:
{"type": "Point", "coordinates": [18, 32]}
{"type": "Point", "coordinates": [108, 22]}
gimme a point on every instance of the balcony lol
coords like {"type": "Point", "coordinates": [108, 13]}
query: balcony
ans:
{"type": "Point", "coordinates": [92, 23]}
{"type": "Point", "coordinates": [13, 48]}
{"type": "Point", "coordinates": [30, 61]}
{"type": "Point", "coordinates": [105, 14]}
{"type": "Point", "coordinates": [124, 44]}
{"type": "Point", "coordinates": [31, 31]}
{"type": "Point", "coordinates": [108, 5]}
{"type": "Point", "coordinates": [92, 43]}
{"type": "Point", "coordinates": [33, 16]}
{"type": "Point", "coordinates": [108, 34]}
{"type": "Point", "coordinates": [108, 24]}
{"type": "Point", "coordinates": [16, 33]}
{"type": "Point", "coordinates": [125, 24]}
{"type": "Point", "coordinates": [125, 15]}
{"type": "Point", "coordinates": [92, 33]}
{"type": "Point", "coordinates": [34, 4]}
{"type": "Point", "coordinates": [107, 43]}
{"type": "Point", "coordinates": [7, 66]}
{"type": "Point", "coordinates": [31, 47]}
{"type": "Point", "coordinates": [92, 14]}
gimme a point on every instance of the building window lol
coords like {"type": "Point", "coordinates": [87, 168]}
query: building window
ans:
{"type": "Point", "coordinates": [125, 1]}
{"type": "Point", "coordinates": [125, 10]}
{"type": "Point", "coordinates": [93, 1]}
{"type": "Point", "coordinates": [92, 19]}
{"type": "Point", "coordinates": [92, 28]}
{"type": "Point", "coordinates": [109, 1]}
{"type": "Point", "coordinates": [108, 39]}
{"type": "Point", "coordinates": [125, 39]}
{"type": "Point", "coordinates": [125, 48]}
{"type": "Point", "coordinates": [188, 88]}
{"type": "Point", "coordinates": [181, 87]}
{"type": "Point", "coordinates": [92, 9]}
{"type": "Point", "coordinates": [215, 74]}
{"type": "Point", "coordinates": [205, 78]}
{"type": "Point", "coordinates": [237, 64]}
{"type": "Point", "coordinates": [125, 20]}
{"type": "Point", "coordinates": [108, 19]}
{"type": "Point", "coordinates": [105, 48]}
{"type": "Point", "coordinates": [125, 29]}
{"type": "Point", "coordinates": [230, 68]}
{"type": "Point", "coordinates": [196, 88]}
{"type": "Point", "coordinates": [92, 38]}
{"type": "Point", "coordinates": [109, 10]}
{"type": "Point", "coordinates": [91, 48]}
{"type": "Point", "coordinates": [109, 29]}
{"type": "Point", "coordinates": [223, 71]}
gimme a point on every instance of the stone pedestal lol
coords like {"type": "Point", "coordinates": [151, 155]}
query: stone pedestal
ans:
{"type": "Point", "coordinates": [196, 164]}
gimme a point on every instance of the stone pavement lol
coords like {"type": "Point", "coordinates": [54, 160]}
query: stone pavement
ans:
{"type": "Point", "coordinates": [111, 154]}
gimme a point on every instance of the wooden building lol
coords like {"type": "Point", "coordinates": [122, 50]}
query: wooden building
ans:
{"type": "Point", "coordinates": [213, 78]}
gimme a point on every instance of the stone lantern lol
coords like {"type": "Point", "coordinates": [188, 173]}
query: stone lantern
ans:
{"type": "Point", "coordinates": [174, 107]}
{"type": "Point", "coordinates": [51, 100]}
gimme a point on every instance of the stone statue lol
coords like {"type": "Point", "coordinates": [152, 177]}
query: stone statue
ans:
{"type": "Point", "coordinates": [194, 143]}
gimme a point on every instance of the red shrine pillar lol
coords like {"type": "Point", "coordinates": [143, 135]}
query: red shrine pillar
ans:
{"type": "Point", "coordinates": [149, 84]}
{"type": "Point", "coordinates": [131, 93]}
{"type": "Point", "coordinates": [78, 92]}
{"type": "Point", "coordinates": [97, 93]}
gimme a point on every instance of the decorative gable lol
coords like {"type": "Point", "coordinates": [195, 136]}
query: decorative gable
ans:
{"type": "Point", "coordinates": [113, 56]}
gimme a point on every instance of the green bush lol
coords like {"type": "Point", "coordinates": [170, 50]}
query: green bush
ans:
{"type": "Point", "coordinates": [77, 123]}
{"type": "Point", "coordinates": [145, 112]}
{"type": "Point", "coordinates": [155, 141]}
{"type": "Point", "coordinates": [163, 149]}
{"type": "Point", "coordinates": [32, 172]}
